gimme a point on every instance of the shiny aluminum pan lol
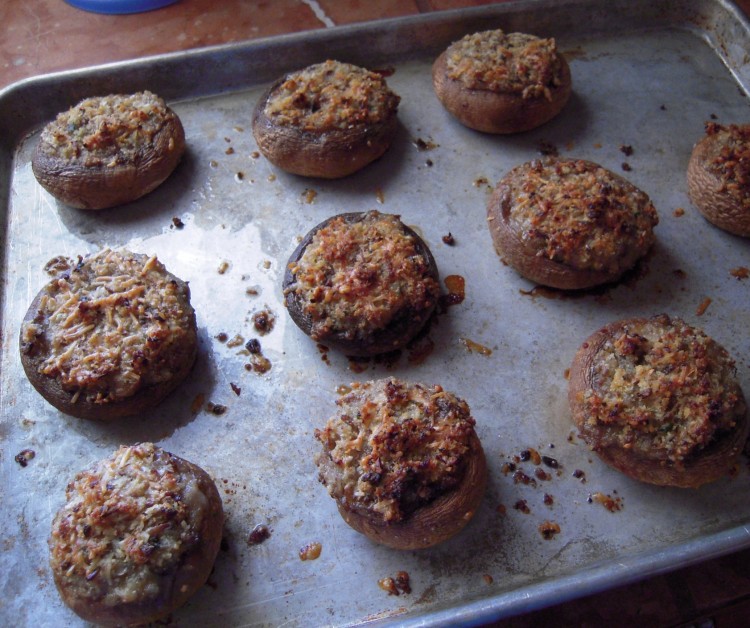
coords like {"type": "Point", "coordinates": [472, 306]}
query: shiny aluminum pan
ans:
{"type": "Point", "coordinates": [647, 74]}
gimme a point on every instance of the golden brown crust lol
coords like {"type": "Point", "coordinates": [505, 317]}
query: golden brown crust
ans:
{"type": "Point", "coordinates": [569, 223]}
{"type": "Point", "coordinates": [363, 283]}
{"type": "Point", "coordinates": [659, 400]}
{"type": "Point", "coordinates": [718, 177]}
{"type": "Point", "coordinates": [327, 120]}
{"type": "Point", "coordinates": [110, 337]}
{"type": "Point", "coordinates": [403, 463]}
{"type": "Point", "coordinates": [137, 537]}
{"type": "Point", "coordinates": [108, 151]}
{"type": "Point", "coordinates": [502, 83]}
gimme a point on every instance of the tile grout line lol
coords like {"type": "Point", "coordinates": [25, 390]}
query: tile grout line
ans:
{"type": "Point", "coordinates": [319, 13]}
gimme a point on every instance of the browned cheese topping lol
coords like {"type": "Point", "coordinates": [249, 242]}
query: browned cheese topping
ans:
{"type": "Point", "coordinates": [107, 131]}
{"type": "Point", "coordinates": [331, 95]}
{"type": "Point", "coordinates": [580, 214]}
{"type": "Point", "coordinates": [354, 277]}
{"type": "Point", "coordinates": [662, 389]}
{"type": "Point", "coordinates": [513, 63]}
{"type": "Point", "coordinates": [128, 521]}
{"type": "Point", "coordinates": [394, 447]}
{"type": "Point", "coordinates": [113, 324]}
{"type": "Point", "coordinates": [730, 160]}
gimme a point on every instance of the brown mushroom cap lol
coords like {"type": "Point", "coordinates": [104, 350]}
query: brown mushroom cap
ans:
{"type": "Point", "coordinates": [718, 177]}
{"type": "Point", "coordinates": [404, 324]}
{"type": "Point", "coordinates": [498, 111]}
{"type": "Point", "coordinates": [434, 523]}
{"type": "Point", "coordinates": [34, 355]}
{"type": "Point", "coordinates": [176, 584]}
{"type": "Point", "coordinates": [704, 462]}
{"type": "Point", "coordinates": [102, 185]}
{"type": "Point", "coordinates": [329, 151]}
{"type": "Point", "coordinates": [605, 227]}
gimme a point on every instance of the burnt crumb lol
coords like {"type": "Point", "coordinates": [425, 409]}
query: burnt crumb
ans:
{"type": "Point", "coordinates": [239, 176]}
{"type": "Point", "coordinates": [263, 322]}
{"type": "Point", "coordinates": [626, 150]}
{"type": "Point", "coordinates": [222, 336]}
{"type": "Point", "coordinates": [519, 477]}
{"type": "Point", "coordinates": [25, 456]}
{"type": "Point", "coordinates": [542, 475]}
{"type": "Point", "coordinates": [253, 346]}
{"type": "Point", "coordinates": [578, 474]}
{"type": "Point", "coordinates": [548, 149]}
{"type": "Point", "coordinates": [422, 145]}
{"type": "Point", "coordinates": [549, 529]}
{"type": "Point", "coordinates": [449, 239]}
{"type": "Point", "coordinates": [396, 586]}
{"type": "Point", "coordinates": [713, 116]}
{"type": "Point", "coordinates": [522, 506]}
{"type": "Point", "coordinates": [552, 463]}
{"type": "Point", "coordinates": [429, 163]}
{"type": "Point", "coordinates": [177, 222]}
{"type": "Point", "coordinates": [216, 408]}
{"type": "Point", "coordinates": [663, 107]}
{"type": "Point", "coordinates": [235, 388]}
{"type": "Point", "coordinates": [402, 582]}
{"type": "Point", "coordinates": [548, 499]}
{"type": "Point", "coordinates": [508, 467]}
{"type": "Point", "coordinates": [626, 166]}
{"type": "Point", "coordinates": [229, 151]}
{"type": "Point", "coordinates": [259, 534]}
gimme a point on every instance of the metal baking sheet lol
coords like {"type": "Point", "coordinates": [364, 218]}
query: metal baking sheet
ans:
{"type": "Point", "coordinates": [647, 74]}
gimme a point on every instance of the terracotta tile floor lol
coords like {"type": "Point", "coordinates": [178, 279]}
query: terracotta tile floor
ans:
{"type": "Point", "coordinates": [42, 36]}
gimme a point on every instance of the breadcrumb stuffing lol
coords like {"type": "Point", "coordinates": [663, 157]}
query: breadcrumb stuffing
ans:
{"type": "Point", "coordinates": [663, 389]}
{"type": "Point", "coordinates": [393, 447]}
{"type": "Point", "coordinates": [106, 131]}
{"type": "Point", "coordinates": [514, 63]}
{"type": "Point", "coordinates": [331, 95]}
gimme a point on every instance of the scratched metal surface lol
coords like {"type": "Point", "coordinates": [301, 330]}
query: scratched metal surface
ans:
{"type": "Point", "coordinates": [646, 74]}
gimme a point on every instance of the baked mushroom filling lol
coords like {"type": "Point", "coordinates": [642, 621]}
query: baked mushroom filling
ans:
{"type": "Point", "coordinates": [393, 448]}
{"type": "Point", "coordinates": [128, 521]}
{"type": "Point", "coordinates": [355, 277]}
{"type": "Point", "coordinates": [730, 161]}
{"type": "Point", "coordinates": [579, 214]}
{"type": "Point", "coordinates": [114, 323]}
{"type": "Point", "coordinates": [331, 95]}
{"type": "Point", "coordinates": [513, 63]}
{"type": "Point", "coordinates": [661, 390]}
{"type": "Point", "coordinates": [106, 131]}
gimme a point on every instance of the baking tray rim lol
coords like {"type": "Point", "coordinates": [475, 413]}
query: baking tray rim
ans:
{"type": "Point", "coordinates": [516, 600]}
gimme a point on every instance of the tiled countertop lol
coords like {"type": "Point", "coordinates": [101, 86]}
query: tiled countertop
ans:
{"type": "Point", "coordinates": [41, 36]}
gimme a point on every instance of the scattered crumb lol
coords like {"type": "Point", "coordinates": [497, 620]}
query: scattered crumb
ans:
{"type": "Point", "coordinates": [259, 534]}
{"type": "Point", "coordinates": [177, 222]}
{"type": "Point", "coordinates": [548, 149]}
{"type": "Point", "coordinates": [236, 341]}
{"type": "Point", "coordinates": [239, 176]}
{"type": "Point", "coordinates": [255, 154]}
{"type": "Point", "coordinates": [488, 579]}
{"type": "Point", "coordinates": [422, 145]}
{"type": "Point", "coordinates": [263, 322]}
{"type": "Point", "coordinates": [197, 403]}
{"type": "Point", "coordinates": [741, 272]}
{"type": "Point", "coordinates": [309, 195]}
{"type": "Point", "coordinates": [223, 267]}
{"type": "Point", "coordinates": [272, 177]}
{"type": "Point", "coordinates": [679, 212]}
{"type": "Point", "coordinates": [549, 529]}
{"type": "Point", "coordinates": [216, 408]}
{"type": "Point", "coordinates": [703, 306]}
{"type": "Point", "coordinates": [379, 197]}
{"type": "Point", "coordinates": [235, 388]}
{"type": "Point", "coordinates": [626, 150]}
{"type": "Point", "coordinates": [449, 239]}
{"type": "Point", "coordinates": [613, 504]}
{"type": "Point", "coordinates": [229, 151]}
{"type": "Point", "coordinates": [626, 166]}
{"type": "Point", "coordinates": [25, 456]}
{"type": "Point", "coordinates": [311, 551]}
